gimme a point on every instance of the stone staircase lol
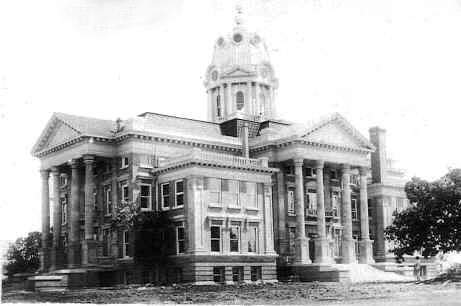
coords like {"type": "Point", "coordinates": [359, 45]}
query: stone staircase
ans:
{"type": "Point", "coordinates": [61, 280]}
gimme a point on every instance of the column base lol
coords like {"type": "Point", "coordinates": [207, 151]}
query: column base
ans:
{"type": "Point", "coordinates": [348, 252]}
{"type": "Point", "coordinates": [89, 252]}
{"type": "Point", "coordinates": [44, 255]}
{"type": "Point", "coordinates": [74, 255]}
{"type": "Point", "coordinates": [302, 251]}
{"type": "Point", "coordinates": [321, 251]}
{"type": "Point", "coordinates": [366, 251]}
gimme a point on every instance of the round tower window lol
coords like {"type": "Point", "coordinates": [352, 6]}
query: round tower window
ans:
{"type": "Point", "coordinates": [214, 75]}
{"type": "Point", "coordinates": [240, 100]}
{"type": "Point", "coordinates": [238, 37]}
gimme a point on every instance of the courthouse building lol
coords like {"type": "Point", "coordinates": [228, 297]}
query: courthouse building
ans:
{"type": "Point", "coordinates": [250, 196]}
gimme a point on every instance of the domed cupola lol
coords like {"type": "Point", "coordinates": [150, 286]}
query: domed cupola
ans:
{"type": "Point", "coordinates": [240, 80]}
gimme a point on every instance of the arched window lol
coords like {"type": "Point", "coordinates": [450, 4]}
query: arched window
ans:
{"type": "Point", "coordinates": [240, 100]}
{"type": "Point", "coordinates": [218, 106]}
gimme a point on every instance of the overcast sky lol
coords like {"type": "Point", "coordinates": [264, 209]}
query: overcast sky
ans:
{"type": "Point", "coordinates": [396, 64]}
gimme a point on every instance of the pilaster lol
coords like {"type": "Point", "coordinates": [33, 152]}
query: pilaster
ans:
{"type": "Point", "coordinates": [194, 211]}
{"type": "Point", "coordinates": [379, 243]}
{"type": "Point", "coordinates": [282, 213]}
{"type": "Point", "coordinates": [268, 221]}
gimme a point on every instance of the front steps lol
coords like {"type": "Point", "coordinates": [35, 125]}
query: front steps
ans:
{"type": "Point", "coordinates": [61, 280]}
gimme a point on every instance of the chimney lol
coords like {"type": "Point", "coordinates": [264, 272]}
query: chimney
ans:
{"type": "Point", "coordinates": [244, 135]}
{"type": "Point", "coordinates": [378, 158]}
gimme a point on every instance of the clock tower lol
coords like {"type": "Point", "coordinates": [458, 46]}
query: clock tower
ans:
{"type": "Point", "coordinates": [240, 80]}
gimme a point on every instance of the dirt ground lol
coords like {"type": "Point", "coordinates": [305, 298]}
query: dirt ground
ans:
{"type": "Point", "coordinates": [429, 293]}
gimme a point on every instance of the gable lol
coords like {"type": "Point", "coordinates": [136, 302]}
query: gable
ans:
{"type": "Point", "coordinates": [60, 134]}
{"type": "Point", "coordinates": [333, 133]}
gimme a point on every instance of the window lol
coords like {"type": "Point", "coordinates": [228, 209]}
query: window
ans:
{"type": "Point", "coordinates": [63, 180]}
{"type": "Point", "coordinates": [240, 100]}
{"type": "Point", "coordinates": [179, 193]}
{"type": "Point", "coordinates": [165, 192]}
{"type": "Point", "coordinates": [291, 202]}
{"type": "Point", "coordinates": [262, 103]}
{"type": "Point", "coordinates": [218, 274]}
{"type": "Point", "coordinates": [145, 196]}
{"type": "Point", "coordinates": [107, 200]}
{"type": "Point", "coordinates": [354, 209]}
{"type": "Point", "coordinates": [311, 200]}
{"type": "Point", "coordinates": [354, 179]}
{"type": "Point", "coordinates": [334, 175]}
{"type": "Point", "coordinates": [234, 238]}
{"type": "Point", "coordinates": [125, 162]}
{"type": "Point", "coordinates": [256, 273]}
{"type": "Point", "coordinates": [218, 106]}
{"type": "Point", "coordinates": [212, 186]}
{"type": "Point", "coordinates": [229, 189]}
{"type": "Point", "coordinates": [215, 232]}
{"type": "Point", "coordinates": [180, 239]}
{"type": "Point", "coordinates": [249, 198]}
{"type": "Point", "coordinates": [64, 209]}
{"type": "Point", "coordinates": [253, 239]}
{"type": "Point", "coordinates": [310, 172]}
{"type": "Point", "coordinates": [126, 244]}
{"type": "Point", "coordinates": [125, 193]}
{"type": "Point", "coordinates": [105, 242]}
{"type": "Point", "coordinates": [237, 274]}
{"type": "Point", "coordinates": [335, 203]}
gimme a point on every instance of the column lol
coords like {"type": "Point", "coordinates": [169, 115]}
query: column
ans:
{"type": "Point", "coordinates": [230, 102]}
{"type": "Point", "coordinates": [268, 221]}
{"type": "Point", "coordinates": [282, 212]}
{"type": "Point", "coordinates": [56, 218]}
{"type": "Point", "coordinates": [73, 252]}
{"type": "Point", "coordinates": [210, 106]}
{"type": "Point", "coordinates": [248, 99]}
{"type": "Point", "coordinates": [365, 244]}
{"type": "Point", "coordinates": [301, 241]}
{"type": "Point", "coordinates": [257, 100]}
{"type": "Point", "coordinates": [347, 245]}
{"type": "Point", "coordinates": [379, 244]}
{"type": "Point", "coordinates": [89, 245]}
{"type": "Point", "coordinates": [221, 100]}
{"type": "Point", "coordinates": [194, 210]}
{"type": "Point", "coordinates": [321, 244]}
{"type": "Point", "coordinates": [45, 251]}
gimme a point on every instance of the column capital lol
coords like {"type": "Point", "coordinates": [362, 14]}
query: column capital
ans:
{"type": "Point", "coordinates": [319, 164]}
{"type": "Point", "coordinates": [88, 159]}
{"type": "Point", "coordinates": [45, 173]}
{"type": "Point", "coordinates": [74, 163]}
{"type": "Point", "coordinates": [346, 168]}
{"type": "Point", "coordinates": [298, 161]}
{"type": "Point", "coordinates": [363, 170]}
{"type": "Point", "coordinates": [54, 171]}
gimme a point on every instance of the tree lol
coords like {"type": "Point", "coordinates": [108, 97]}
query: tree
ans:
{"type": "Point", "coordinates": [433, 223]}
{"type": "Point", "coordinates": [23, 256]}
{"type": "Point", "coordinates": [152, 232]}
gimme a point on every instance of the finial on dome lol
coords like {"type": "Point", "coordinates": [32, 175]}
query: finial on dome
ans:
{"type": "Point", "coordinates": [238, 15]}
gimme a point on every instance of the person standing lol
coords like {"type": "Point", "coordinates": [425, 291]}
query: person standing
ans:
{"type": "Point", "coordinates": [417, 269]}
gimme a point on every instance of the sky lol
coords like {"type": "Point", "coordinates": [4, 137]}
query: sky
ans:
{"type": "Point", "coordinates": [395, 64]}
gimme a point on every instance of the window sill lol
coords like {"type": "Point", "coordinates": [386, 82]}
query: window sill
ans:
{"type": "Point", "coordinates": [214, 205]}
{"type": "Point", "coordinates": [232, 207]}
{"type": "Point", "coordinates": [251, 208]}
{"type": "Point", "coordinates": [177, 207]}
{"type": "Point", "coordinates": [107, 215]}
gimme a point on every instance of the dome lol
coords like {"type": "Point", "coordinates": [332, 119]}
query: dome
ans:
{"type": "Point", "coordinates": [240, 49]}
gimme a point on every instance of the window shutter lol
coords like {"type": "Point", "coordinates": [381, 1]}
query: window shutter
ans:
{"type": "Point", "coordinates": [206, 183]}
{"type": "Point", "coordinates": [184, 190]}
{"type": "Point", "coordinates": [172, 195]}
{"type": "Point", "coordinates": [243, 187]}
{"type": "Point", "coordinates": [120, 243]}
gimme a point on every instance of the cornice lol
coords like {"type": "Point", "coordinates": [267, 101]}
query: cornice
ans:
{"type": "Point", "coordinates": [212, 164]}
{"type": "Point", "coordinates": [326, 146]}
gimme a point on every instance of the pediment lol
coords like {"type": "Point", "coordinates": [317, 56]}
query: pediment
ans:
{"type": "Point", "coordinates": [56, 132]}
{"type": "Point", "coordinates": [335, 135]}
{"type": "Point", "coordinates": [339, 132]}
